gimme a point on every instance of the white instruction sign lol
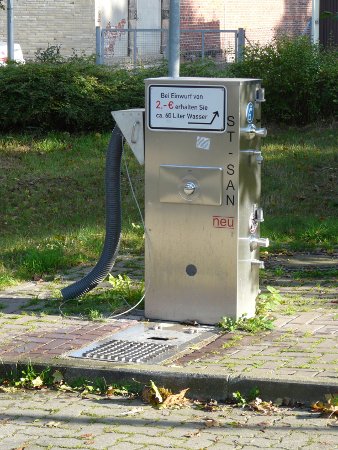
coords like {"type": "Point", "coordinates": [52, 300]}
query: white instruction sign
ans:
{"type": "Point", "coordinates": [182, 107]}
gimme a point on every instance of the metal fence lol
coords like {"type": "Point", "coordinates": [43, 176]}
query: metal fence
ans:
{"type": "Point", "coordinates": [135, 47]}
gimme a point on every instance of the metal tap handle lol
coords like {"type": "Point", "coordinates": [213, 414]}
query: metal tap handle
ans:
{"type": "Point", "coordinates": [262, 242]}
{"type": "Point", "coordinates": [257, 153]}
{"type": "Point", "coordinates": [262, 132]}
{"type": "Point", "coordinates": [251, 131]}
{"type": "Point", "coordinates": [258, 263]}
{"type": "Point", "coordinates": [251, 152]}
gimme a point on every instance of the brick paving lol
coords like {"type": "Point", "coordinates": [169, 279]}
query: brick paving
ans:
{"type": "Point", "coordinates": [25, 344]}
{"type": "Point", "coordinates": [35, 420]}
{"type": "Point", "coordinates": [298, 346]}
{"type": "Point", "coordinates": [302, 346]}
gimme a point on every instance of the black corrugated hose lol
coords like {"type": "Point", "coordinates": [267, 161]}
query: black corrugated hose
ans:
{"type": "Point", "coordinates": [113, 221]}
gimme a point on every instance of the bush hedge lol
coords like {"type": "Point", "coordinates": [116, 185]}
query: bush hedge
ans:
{"type": "Point", "coordinates": [71, 96]}
{"type": "Point", "coordinates": [76, 95]}
{"type": "Point", "coordinates": [300, 79]}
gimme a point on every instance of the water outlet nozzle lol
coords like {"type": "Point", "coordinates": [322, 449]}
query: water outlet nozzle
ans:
{"type": "Point", "coordinates": [258, 242]}
{"type": "Point", "coordinates": [252, 131]}
{"type": "Point", "coordinates": [258, 262]}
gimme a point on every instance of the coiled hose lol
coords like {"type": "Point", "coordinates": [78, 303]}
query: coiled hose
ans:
{"type": "Point", "coordinates": [113, 222]}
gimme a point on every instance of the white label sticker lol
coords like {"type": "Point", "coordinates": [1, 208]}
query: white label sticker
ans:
{"type": "Point", "coordinates": [200, 108]}
{"type": "Point", "coordinates": [203, 143]}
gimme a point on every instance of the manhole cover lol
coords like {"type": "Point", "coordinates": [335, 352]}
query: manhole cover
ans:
{"type": "Point", "coordinates": [125, 351]}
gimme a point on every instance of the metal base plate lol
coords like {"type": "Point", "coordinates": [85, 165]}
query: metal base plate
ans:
{"type": "Point", "coordinates": [145, 343]}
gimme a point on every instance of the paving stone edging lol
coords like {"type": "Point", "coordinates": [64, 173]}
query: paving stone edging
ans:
{"type": "Point", "coordinates": [202, 385]}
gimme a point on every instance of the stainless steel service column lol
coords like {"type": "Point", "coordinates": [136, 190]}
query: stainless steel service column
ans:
{"type": "Point", "coordinates": [202, 190]}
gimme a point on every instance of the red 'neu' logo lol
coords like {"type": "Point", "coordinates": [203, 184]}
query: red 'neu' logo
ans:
{"type": "Point", "coordinates": [223, 222]}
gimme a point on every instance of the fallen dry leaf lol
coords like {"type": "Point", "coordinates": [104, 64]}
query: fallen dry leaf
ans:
{"type": "Point", "coordinates": [262, 407]}
{"type": "Point", "coordinates": [151, 394]}
{"type": "Point", "coordinates": [8, 390]}
{"type": "Point", "coordinates": [131, 412]}
{"type": "Point", "coordinates": [176, 399]}
{"type": "Point", "coordinates": [86, 436]}
{"type": "Point", "coordinates": [330, 407]}
{"type": "Point", "coordinates": [210, 406]}
{"type": "Point", "coordinates": [210, 422]}
{"type": "Point", "coordinates": [193, 434]}
{"type": "Point", "coordinates": [53, 424]}
{"type": "Point", "coordinates": [163, 397]}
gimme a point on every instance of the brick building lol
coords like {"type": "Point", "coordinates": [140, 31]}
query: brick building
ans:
{"type": "Point", "coordinates": [71, 23]}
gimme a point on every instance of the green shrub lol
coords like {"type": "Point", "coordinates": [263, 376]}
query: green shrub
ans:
{"type": "Point", "coordinates": [300, 80]}
{"type": "Point", "coordinates": [73, 96]}
{"type": "Point", "coordinates": [328, 81]}
{"type": "Point", "coordinates": [55, 93]}
{"type": "Point", "coordinates": [201, 68]}
{"type": "Point", "coordinates": [52, 54]}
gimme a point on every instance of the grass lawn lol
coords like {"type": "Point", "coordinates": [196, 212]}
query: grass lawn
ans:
{"type": "Point", "coordinates": [52, 204]}
{"type": "Point", "coordinates": [52, 198]}
{"type": "Point", "coordinates": [299, 189]}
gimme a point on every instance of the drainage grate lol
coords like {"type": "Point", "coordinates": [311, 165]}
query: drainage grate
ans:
{"type": "Point", "coordinates": [144, 343]}
{"type": "Point", "coordinates": [128, 351]}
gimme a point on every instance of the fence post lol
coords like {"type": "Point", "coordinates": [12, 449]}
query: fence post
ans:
{"type": "Point", "coordinates": [241, 44]}
{"type": "Point", "coordinates": [203, 44]}
{"type": "Point", "coordinates": [135, 49]}
{"type": "Point", "coordinates": [102, 45]}
{"type": "Point", "coordinates": [98, 45]}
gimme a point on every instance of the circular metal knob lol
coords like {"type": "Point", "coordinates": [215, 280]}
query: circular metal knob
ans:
{"type": "Point", "coordinates": [189, 188]}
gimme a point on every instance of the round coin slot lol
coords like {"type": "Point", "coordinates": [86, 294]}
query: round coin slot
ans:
{"type": "Point", "coordinates": [191, 270]}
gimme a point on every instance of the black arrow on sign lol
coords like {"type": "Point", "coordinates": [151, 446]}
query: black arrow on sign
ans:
{"type": "Point", "coordinates": [215, 113]}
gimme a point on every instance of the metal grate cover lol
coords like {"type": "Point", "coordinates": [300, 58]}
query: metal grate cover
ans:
{"type": "Point", "coordinates": [128, 351]}
{"type": "Point", "coordinates": [144, 343]}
